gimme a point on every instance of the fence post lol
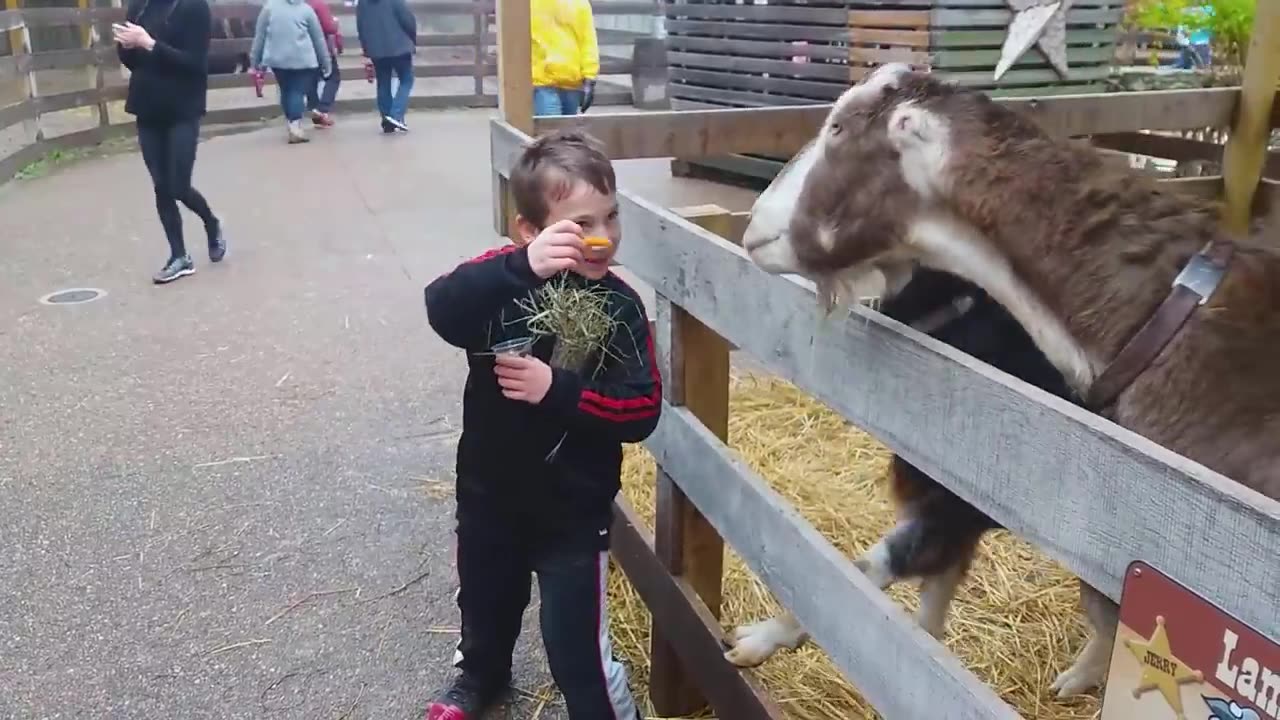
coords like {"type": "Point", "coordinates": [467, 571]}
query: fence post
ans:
{"type": "Point", "coordinates": [1246, 149]}
{"type": "Point", "coordinates": [683, 539]}
{"type": "Point", "coordinates": [515, 94]}
{"type": "Point", "coordinates": [20, 43]}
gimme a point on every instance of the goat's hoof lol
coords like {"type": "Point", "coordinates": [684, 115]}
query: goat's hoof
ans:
{"type": "Point", "coordinates": [1078, 680]}
{"type": "Point", "coordinates": [751, 645]}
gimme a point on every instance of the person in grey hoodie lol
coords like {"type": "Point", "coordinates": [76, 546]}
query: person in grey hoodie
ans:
{"type": "Point", "coordinates": [389, 36]}
{"type": "Point", "coordinates": [289, 40]}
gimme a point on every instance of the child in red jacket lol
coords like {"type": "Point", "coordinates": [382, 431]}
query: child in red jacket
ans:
{"type": "Point", "coordinates": [320, 101]}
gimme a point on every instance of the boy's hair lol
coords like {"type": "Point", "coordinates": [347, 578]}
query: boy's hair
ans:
{"type": "Point", "coordinates": [551, 166]}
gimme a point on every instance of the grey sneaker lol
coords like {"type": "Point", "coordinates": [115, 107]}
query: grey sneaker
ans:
{"type": "Point", "coordinates": [217, 243]}
{"type": "Point", "coordinates": [174, 269]}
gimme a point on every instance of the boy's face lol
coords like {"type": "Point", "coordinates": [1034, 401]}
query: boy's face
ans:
{"type": "Point", "coordinates": [595, 213]}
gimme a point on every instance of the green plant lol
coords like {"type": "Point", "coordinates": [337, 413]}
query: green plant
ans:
{"type": "Point", "coordinates": [1229, 23]}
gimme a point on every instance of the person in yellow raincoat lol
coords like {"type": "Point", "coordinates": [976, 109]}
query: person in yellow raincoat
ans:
{"type": "Point", "coordinates": [566, 58]}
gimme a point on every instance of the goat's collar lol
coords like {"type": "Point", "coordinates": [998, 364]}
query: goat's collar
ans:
{"type": "Point", "coordinates": [1193, 287]}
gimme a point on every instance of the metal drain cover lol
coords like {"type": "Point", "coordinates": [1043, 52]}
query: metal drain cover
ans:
{"type": "Point", "coordinates": [73, 296]}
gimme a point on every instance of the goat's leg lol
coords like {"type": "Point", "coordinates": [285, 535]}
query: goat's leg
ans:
{"type": "Point", "coordinates": [755, 643]}
{"type": "Point", "coordinates": [751, 645]}
{"type": "Point", "coordinates": [936, 594]}
{"type": "Point", "coordinates": [1090, 667]}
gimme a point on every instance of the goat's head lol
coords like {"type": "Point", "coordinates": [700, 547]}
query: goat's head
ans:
{"type": "Point", "coordinates": [842, 211]}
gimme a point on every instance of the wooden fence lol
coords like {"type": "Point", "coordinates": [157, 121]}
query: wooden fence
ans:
{"type": "Point", "coordinates": [1090, 494]}
{"type": "Point", "coordinates": [103, 83]}
{"type": "Point", "coordinates": [786, 53]}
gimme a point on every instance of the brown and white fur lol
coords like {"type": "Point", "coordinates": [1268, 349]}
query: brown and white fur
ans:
{"type": "Point", "coordinates": [909, 169]}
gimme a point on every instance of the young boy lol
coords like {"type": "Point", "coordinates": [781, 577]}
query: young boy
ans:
{"type": "Point", "coordinates": [541, 449]}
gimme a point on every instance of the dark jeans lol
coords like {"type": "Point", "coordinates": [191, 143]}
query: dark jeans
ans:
{"type": "Point", "coordinates": [293, 89]}
{"type": "Point", "coordinates": [556, 101]}
{"type": "Point", "coordinates": [169, 150]}
{"type": "Point", "coordinates": [319, 99]}
{"type": "Point", "coordinates": [495, 564]}
{"type": "Point", "coordinates": [394, 106]}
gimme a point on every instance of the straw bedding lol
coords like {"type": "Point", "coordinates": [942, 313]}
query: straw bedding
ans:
{"type": "Point", "coordinates": [1014, 622]}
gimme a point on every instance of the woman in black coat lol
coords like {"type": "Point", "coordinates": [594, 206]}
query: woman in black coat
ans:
{"type": "Point", "coordinates": [165, 45]}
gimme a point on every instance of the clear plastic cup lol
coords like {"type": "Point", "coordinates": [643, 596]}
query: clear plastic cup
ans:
{"type": "Point", "coordinates": [518, 347]}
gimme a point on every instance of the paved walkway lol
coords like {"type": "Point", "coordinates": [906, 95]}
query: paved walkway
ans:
{"type": "Point", "coordinates": [231, 497]}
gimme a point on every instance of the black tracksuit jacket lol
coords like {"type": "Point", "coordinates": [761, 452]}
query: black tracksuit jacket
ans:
{"type": "Point", "coordinates": [502, 465]}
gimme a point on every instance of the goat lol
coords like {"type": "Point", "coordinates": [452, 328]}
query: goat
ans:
{"type": "Point", "coordinates": [907, 168]}
{"type": "Point", "coordinates": [937, 534]}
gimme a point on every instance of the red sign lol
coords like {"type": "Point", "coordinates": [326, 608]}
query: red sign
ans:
{"type": "Point", "coordinates": [1177, 657]}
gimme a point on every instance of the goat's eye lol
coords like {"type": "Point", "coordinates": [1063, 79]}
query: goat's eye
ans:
{"type": "Point", "coordinates": [835, 128]}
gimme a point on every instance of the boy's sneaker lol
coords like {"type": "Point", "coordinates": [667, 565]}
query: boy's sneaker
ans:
{"type": "Point", "coordinates": [217, 243]}
{"type": "Point", "coordinates": [397, 124]}
{"type": "Point", "coordinates": [174, 269]}
{"type": "Point", "coordinates": [465, 699]}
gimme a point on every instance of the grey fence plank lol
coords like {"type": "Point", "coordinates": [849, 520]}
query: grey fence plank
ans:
{"type": "Point", "coordinates": [900, 669]}
{"type": "Point", "coordinates": [1092, 495]}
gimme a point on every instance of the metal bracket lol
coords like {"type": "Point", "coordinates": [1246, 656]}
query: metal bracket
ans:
{"type": "Point", "coordinates": [1201, 276]}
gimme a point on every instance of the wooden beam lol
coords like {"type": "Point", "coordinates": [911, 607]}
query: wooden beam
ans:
{"type": "Point", "coordinates": [1246, 148]}
{"type": "Point", "coordinates": [515, 56]}
{"type": "Point", "coordinates": [1090, 494]}
{"type": "Point", "coordinates": [695, 631]}
{"type": "Point", "coordinates": [686, 543]}
{"type": "Point", "coordinates": [900, 669]}
{"type": "Point", "coordinates": [515, 95]}
{"type": "Point", "coordinates": [782, 131]}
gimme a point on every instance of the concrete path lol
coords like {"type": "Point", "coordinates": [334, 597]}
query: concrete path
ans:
{"type": "Point", "coordinates": [231, 497]}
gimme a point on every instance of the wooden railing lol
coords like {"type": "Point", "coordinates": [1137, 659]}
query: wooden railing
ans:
{"type": "Point", "coordinates": [104, 84]}
{"type": "Point", "coordinates": [1057, 464]}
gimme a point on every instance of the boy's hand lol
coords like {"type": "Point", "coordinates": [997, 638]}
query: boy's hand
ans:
{"type": "Point", "coordinates": [526, 379]}
{"type": "Point", "coordinates": [557, 248]}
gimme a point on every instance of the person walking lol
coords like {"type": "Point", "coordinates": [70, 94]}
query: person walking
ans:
{"type": "Point", "coordinates": [389, 38]}
{"type": "Point", "coordinates": [289, 40]}
{"type": "Point", "coordinates": [320, 101]}
{"type": "Point", "coordinates": [566, 57]}
{"type": "Point", "coordinates": [165, 45]}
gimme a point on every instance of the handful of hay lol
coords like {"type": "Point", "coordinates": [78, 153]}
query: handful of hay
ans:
{"type": "Point", "coordinates": [576, 314]}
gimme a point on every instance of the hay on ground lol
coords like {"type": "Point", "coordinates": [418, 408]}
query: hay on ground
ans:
{"type": "Point", "coordinates": [1014, 623]}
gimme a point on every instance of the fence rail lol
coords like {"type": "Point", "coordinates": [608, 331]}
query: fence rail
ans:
{"type": "Point", "coordinates": [105, 78]}
{"type": "Point", "coordinates": [1056, 464]}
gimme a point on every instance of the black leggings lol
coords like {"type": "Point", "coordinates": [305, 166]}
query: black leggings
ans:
{"type": "Point", "coordinates": [170, 153]}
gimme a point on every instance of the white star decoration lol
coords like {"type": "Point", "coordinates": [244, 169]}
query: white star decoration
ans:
{"type": "Point", "coordinates": [1036, 22]}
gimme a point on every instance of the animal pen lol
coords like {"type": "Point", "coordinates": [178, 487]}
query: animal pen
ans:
{"type": "Point", "coordinates": [59, 95]}
{"type": "Point", "coordinates": [1091, 495]}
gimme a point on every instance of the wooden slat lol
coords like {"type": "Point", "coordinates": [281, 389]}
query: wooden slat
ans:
{"type": "Point", "coordinates": [675, 606]}
{"type": "Point", "coordinates": [875, 36]}
{"type": "Point", "coordinates": [759, 13]}
{"type": "Point", "coordinates": [906, 19]}
{"type": "Point", "coordinates": [881, 55]}
{"type": "Point", "coordinates": [1025, 77]}
{"type": "Point", "coordinates": [760, 31]}
{"type": "Point", "coordinates": [17, 112]}
{"type": "Point", "coordinates": [967, 18]}
{"type": "Point", "coordinates": [988, 58]}
{"type": "Point", "coordinates": [735, 98]}
{"type": "Point", "coordinates": [817, 91]}
{"type": "Point", "coordinates": [783, 131]}
{"type": "Point", "coordinates": [1058, 467]}
{"type": "Point", "coordinates": [867, 635]}
{"type": "Point", "coordinates": [731, 63]}
{"type": "Point", "coordinates": [744, 48]}
{"type": "Point", "coordinates": [1177, 148]}
{"type": "Point", "coordinates": [942, 38]}
{"type": "Point", "coordinates": [13, 163]}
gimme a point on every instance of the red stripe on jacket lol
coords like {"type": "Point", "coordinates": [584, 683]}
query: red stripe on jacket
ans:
{"type": "Point", "coordinates": [626, 409]}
